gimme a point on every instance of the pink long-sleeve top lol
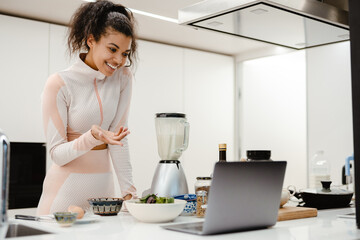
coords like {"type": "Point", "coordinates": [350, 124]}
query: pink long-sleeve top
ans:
{"type": "Point", "coordinates": [75, 99]}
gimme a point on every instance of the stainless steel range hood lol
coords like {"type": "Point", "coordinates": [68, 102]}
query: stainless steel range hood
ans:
{"type": "Point", "coordinates": [296, 24]}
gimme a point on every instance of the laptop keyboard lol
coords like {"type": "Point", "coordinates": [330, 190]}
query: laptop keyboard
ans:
{"type": "Point", "coordinates": [197, 226]}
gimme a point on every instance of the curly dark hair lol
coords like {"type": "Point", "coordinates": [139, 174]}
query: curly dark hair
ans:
{"type": "Point", "coordinates": [95, 18]}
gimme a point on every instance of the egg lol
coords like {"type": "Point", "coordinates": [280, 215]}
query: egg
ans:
{"type": "Point", "coordinates": [75, 209]}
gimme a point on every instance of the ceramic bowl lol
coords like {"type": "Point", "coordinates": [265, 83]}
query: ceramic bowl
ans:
{"type": "Point", "coordinates": [155, 213]}
{"type": "Point", "coordinates": [65, 219]}
{"type": "Point", "coordinates": [190, 207]}
{"type": "Point", "coordinates": [106, 206]}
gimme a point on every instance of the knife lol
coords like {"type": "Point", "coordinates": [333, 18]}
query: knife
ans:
{"type": "Point", "coordinates": [34, 218]}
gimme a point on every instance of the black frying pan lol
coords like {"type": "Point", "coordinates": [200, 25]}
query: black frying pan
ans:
{"type": "Point", "coordinates": [325, 198]}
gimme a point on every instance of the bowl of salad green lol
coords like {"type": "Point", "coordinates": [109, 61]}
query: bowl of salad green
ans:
{"type": "Point", "coordinates": [154, 209]}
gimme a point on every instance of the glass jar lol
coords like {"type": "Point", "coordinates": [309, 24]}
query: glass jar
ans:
{"type": "Point", "coordinates": [319, 170]}
{"type": "Point", "coordinates": [203, 184]}
{"type": "Point", "coordinates": [201, 203]}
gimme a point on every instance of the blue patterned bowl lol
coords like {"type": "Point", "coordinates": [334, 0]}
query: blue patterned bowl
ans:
{"type": "Point", "coordinates": [65, 219]}
{"type": "Point", "coordinates": [190, 207]}
{"type": "Point", "coordinates": [106, 206]}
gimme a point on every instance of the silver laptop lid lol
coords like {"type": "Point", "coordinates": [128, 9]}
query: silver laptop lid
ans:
{"type": "Point", "coordinates": [244, 195]}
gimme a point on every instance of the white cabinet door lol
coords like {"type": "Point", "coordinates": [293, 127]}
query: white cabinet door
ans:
{"type": "Point", "coordinates": [273, 111]}
{"type": "Point", "coordinates": [199, 84]}
{"type": "Point", "coordinates": [329, 105]}
{"type": "Point", "coordinates": [158, 87]}
{"type": "Point", "coordinates": [24, 70]}
{"type": "Point", "coordinates": [209, 105]}
{"type": "Point", "coordinates": [59, 57]}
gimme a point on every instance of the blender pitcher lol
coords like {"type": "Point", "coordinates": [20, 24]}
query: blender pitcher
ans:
{"type": "Point", "coordinates": [172, 131]}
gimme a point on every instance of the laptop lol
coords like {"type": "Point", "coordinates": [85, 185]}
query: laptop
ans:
{"type": "Point", "coordinates": [243, 196]}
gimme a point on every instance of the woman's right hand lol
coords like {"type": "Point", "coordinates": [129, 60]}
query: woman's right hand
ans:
{"type": "Point", "coordinates": [109, 137]}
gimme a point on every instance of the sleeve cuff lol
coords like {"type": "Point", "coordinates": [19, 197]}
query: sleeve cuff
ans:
{"type": "Point", "coordinates": [132, 191]}
{"type": "Point", "coordinates": [93, 141]}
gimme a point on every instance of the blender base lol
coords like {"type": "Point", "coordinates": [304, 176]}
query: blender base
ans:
{"type": "Point", "coordinates": [169, 179]}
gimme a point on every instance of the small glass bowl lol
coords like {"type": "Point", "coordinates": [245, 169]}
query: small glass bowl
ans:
{"type": "Point", "coordinates": [65, 219]}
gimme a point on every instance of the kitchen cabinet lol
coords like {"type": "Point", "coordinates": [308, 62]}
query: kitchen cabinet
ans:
{"type": "Point", "coordinates": [23, 65]}
{"type": "Point", "coordinates": [299, 98]}
{"type": "Point", "coordinates": [273, 111]}
{"type": "Point", "coordinates": [329, 108]}
{"type": "Point", "coordinates": [30, 52]}
{"type": "Point", "coordinates": [59, 57]}
{"type": "Point", "coordinates": [209, 103]}
{"type": "Point", "coordinates": [157, 87]}
{"type": "Point", "coordinates": [174, 79]}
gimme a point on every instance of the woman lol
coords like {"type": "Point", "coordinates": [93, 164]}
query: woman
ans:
{"type": "Point", "coordinates": [85, 110]}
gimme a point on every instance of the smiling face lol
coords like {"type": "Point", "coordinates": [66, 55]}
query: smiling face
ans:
{"type": "Point", "coordinates": [109, 53]}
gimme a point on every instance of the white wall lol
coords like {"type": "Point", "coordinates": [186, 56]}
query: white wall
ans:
{"type": "Point", "coordinates": [329, 104]}
{"type": "Point", "coordinates": [273, 111]}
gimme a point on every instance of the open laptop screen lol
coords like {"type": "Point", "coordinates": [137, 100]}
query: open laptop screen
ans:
{"type": "Point", "coordinates": [243, 195]}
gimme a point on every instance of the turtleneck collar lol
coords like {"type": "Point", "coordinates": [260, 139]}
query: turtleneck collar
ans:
{"type": "Point", "coordinates": [82, 68]}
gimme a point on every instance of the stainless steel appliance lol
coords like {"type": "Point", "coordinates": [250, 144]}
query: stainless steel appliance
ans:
{"type": "Point", "coordinates": [4, 177]}
{"type": "Point", "coordinates": [172, 131]}
{"type": "Point", "coordinates": [295, 24]}
{"type": "Point", "coordinates": [27, 173]}
{"type": "Point", "coordinates": [9, 230]}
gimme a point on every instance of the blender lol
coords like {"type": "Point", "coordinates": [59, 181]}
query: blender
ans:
{"type": "Point", "coordinates": [172, 131]}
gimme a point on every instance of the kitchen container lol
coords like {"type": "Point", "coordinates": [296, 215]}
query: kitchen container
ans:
{"type": "Point", "coordinates": [326, 197]}
{"type": "Point", "coordinates": [106, 206]}
{"type": "Point", "coordinates": [155, 213]}
{"type": "Point", "coordinates": [190, 207]}
{"type": "Point", "coordinates": [172, 132]}
{"type": "Point", "coordinates": [347, 174]}
{"type": "Point", "coordinates": [319, 169]}
{"type": "Point", "coordinates": [256, 155]}
{"type": "Point", "coordinates": [65, 219]}
{"type": "Point", "coordinates": [201, 203]}
{"type": "Point", "coordinates": [203, 184]}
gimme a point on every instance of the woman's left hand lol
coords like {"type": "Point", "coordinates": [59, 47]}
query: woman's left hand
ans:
{"type": "Point", "coordinates": [109, 137]}
{"type": "Point", "coordinates": [128, 197]}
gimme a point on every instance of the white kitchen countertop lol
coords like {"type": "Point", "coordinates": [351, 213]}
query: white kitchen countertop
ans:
{"type": "Point", "coordinates": [327, 225]}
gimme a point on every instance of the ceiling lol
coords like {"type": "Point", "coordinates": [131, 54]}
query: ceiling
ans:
{"type": "Point", "coordinates": [60, 12]}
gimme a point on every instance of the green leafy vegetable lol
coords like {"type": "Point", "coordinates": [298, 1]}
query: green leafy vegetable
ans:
{"type": "Point", "coordinates": [152, 198]}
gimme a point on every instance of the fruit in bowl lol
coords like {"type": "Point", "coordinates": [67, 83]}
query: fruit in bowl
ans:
{"type": "Point", "coordinates": [164, 210]}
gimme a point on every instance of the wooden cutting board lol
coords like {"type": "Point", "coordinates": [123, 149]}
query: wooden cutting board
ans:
{"type": "Point", "coordinates": [289, 213]}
